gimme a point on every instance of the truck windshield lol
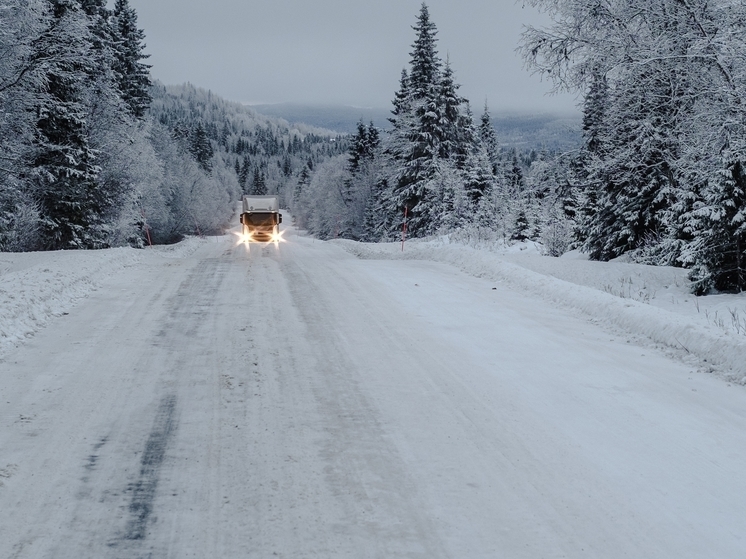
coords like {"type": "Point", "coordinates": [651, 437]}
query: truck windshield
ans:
{"type": "Point", "coordinates": [267, 219]}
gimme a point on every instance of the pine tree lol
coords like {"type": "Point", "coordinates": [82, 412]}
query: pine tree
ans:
{"type": "Point", "coordinates": [64, 163]}
{"type": "Point", "coordinates": [374, 140]}
{"type": "Point", "coordinates": [359, 147]}
{"type": "Point", "coordinates": [402, 98]}
{"type": "Point", "coordinates": [588, 170]}
{"type": "Point", "coordinates": [256, 180]}
{"type": "Point", "coordinates": [414, 143]}
{"type": "Point", "coordinates": [478, 177]}
{"type": "Point", "coordinates": [425, 63]}
{"type": "Point", "coordinates": [520, 231]}
{"type": "Point", "coordinates": [634, 172]}
{"type": "Point", "coordinates": [133, 74]}
{"type": "Point", "coordinates": [595, 106]}
{"type": "Point", "coordinates": [363, 146]}
{"type": "Point", "coordinates": [489, 138]}
{"type": "Point", "coordinates": [718, 252]}
{"type": "Point", "coordinates": [287, 165]}
{"type": "Point", "coordinates": [515, 176]}
{"type": "Point", "coordinates": [201, 148]}
{"type": "Point", "coordinates": [103, 37]}
{"type": "Point", "coordinates": [259, 187]}
{"type": "Point", "coordinates": [304, 179]}
{"type": "Point", "coordinates": [243, 174]}
{"type": "Point", "coordinates": [458, 138]}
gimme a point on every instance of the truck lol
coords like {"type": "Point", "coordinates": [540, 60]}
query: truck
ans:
{"type": "Point", "coordinates": [261, 218]}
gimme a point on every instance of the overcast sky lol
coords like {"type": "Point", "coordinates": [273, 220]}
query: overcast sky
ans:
{"type": "Point", "coordinates": [340, 51]}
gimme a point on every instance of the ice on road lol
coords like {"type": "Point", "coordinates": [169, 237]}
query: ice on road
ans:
{"type": "Point", "coordinates": [299, 402]}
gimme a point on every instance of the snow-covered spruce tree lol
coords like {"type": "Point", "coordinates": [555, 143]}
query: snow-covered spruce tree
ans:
{"type": "Point", "coordinates": [587, 171]}
{"type": "Point", "coordinates": [133, 74]}
{"type": "Point", "coordinates": [425, 64]}
{"type": "Point", "coordinates": [489, 139]}
{"type": "Point", "coordinates": [201, 148]}
{"type": "Point", "coordinates": [64, 164]}
{"type": "Point", "coordinates": [458, 133]}
{"type": "Point", "coordinates": [428, 125]}
{"type": "Point", "coordinates": [520, 229]}
{"type": "Point", "coordinates": [514, 175]}
{"type": "Point", "coordinates": [363, 173]}
{"type": "Point", "coordinates": [243, 172]}
{"type": "Point", "coordinates": [103, 38]}
{"type": "Point", "coordinates": [258, 183]}
{"type": "Point", "coordinates": [478, 175]}
{"type": "Point", "coordinates": [415, 139]}
{"type": "Point", "coordinates": [364, 144]}
{"type": "Point", "coordinates": [717, 254]}
{"type": "Point", "coordinates": [654, 57]}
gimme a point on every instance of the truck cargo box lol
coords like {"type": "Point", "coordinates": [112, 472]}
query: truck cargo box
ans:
{"type": "Point", "coordinates": [261, 204]}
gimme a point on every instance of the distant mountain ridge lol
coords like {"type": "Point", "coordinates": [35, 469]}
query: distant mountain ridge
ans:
{"type": "Point", "coordinates": [537, 131]}
{"type": "Point", "coordinates": [338, 118]}
{"type": "Point", "coordinates": [526, 131]}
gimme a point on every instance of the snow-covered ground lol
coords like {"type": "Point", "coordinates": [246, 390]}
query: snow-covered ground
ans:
{"type": "Point", "coordinates": [37, 286]}
{"type": "Point", "coordinates": [648, 303]}
{"type": "Point", "coordinates": [338, 399]}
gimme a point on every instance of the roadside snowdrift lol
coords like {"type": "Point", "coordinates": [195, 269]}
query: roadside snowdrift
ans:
{"type": "Point", "coordinates": [36, 286]}
{"type": "Point", "coordinates": [647, 301]}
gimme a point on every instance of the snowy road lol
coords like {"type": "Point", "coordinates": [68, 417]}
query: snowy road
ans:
{"type": "Point", "coordinates": [303, 403]}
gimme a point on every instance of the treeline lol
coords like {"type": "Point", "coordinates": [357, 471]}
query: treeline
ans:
{"type": "Point", "coordinates": [93, 155]}
{"type": "Point", "coordinates": [264, 155]}
{"type": "Point", "coordinates": [440, 168]}
{"type": "Point", "coordinates": [661, 175]}
{"type": "Point", "coordinates": [74, 91]}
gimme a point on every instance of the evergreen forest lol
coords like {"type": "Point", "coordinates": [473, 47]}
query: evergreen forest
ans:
{"type": "Point", "coordinates": [660, 177]}
{"type": "Point", "coordinates": [93, 154]}
{"type": "Point", "coordinates": [439, 170]}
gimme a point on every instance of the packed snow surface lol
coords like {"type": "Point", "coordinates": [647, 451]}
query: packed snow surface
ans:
{"type": "Point", "coordinates": [653, 302]}
{"type": "Point", "coordinates": [339, 399]}
{"type": "Point", "coordinates": [36, 286]}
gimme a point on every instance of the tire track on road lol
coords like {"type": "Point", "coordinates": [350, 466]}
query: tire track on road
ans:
{"type": "Point", "coordinates": [144, 490]}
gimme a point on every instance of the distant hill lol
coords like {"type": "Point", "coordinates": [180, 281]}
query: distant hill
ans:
{"type": "Point", "coordinates": [339, 118]}
{"type": "Point", "coordinates": [550, 131]}
{"type": "Point", "coordinates": [525, 131]}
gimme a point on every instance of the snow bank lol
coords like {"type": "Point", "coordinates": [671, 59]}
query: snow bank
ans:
{"type": "Point", "coordinates": [627, 296]}
{"type": "Point", "coordinates": [37, 286]}
{"type": "Point", "coordinates": [185, 248]}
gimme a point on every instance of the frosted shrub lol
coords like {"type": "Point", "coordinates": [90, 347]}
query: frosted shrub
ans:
{"type": "Point", "coordinates": [556, 237]}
